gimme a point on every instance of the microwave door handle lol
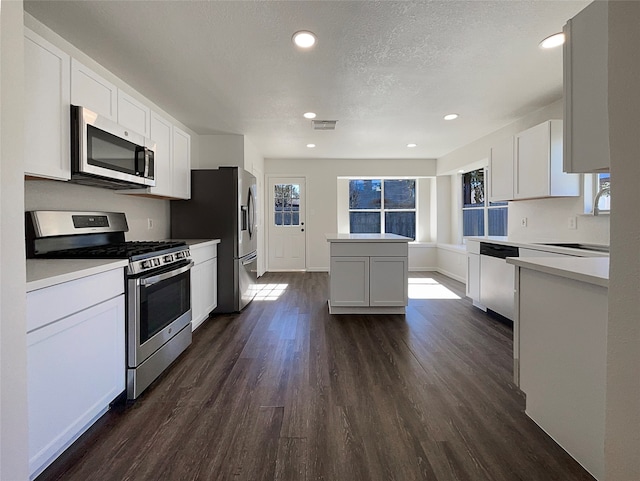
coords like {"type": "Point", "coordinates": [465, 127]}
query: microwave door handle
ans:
{"type": "Point", "coordinates": [149, 281]}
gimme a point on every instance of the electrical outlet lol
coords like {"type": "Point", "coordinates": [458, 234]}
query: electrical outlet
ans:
{"type": "Point", "coordinates": [523, 222]}
{"type": "Point", "coordinates": [572, 222]}
{"type": "Point", "coordinates": [149, 223]}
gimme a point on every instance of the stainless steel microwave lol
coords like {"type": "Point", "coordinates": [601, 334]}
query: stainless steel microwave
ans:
{"type": "Point", "coordinates": [106, 154]}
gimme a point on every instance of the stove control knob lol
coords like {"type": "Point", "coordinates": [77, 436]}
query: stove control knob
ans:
{"type": "Point", "coordinates": [156, 262]}
{"type": "Point", "coordinates": [145, 264]}
{"type": "Point", "coordinates": [168, 258]}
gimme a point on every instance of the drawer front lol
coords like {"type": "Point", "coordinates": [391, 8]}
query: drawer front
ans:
{"type": "Point", "coordinates": [52, 303]}
{"type": "Point", "coordinates": [201, 254]}
{"type": "Point", "coordinates": [369, 249]}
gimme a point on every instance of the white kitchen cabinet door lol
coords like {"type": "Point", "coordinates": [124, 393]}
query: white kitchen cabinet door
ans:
{"type": "Point", "coordinates": [473, 277]}
{"type": "Point", "coordinates": [181, 164]}
{"type": "Point", "coordinates": [538, 164]}
{"type": "Point", "coordinates": [204, 291]}
{"type": "Point", "coordinates": [75, 368]}
{"type": "Point", "coordinates": [501, 159]}
{"type": "Point", "coordinates": [133, 114]}
{"type": "Point", "coordinates": [90, 90]}
{"type": "Point", "coordinates": [388, 284]}
{"type": "Point", "coordinates": [349, 281]}
{"type": "Point", "coordinates": [47, 88]}
{"type": "Point", "coordinates": [586, 110]}
{"type": "Point", "coordinates": [160, 133]}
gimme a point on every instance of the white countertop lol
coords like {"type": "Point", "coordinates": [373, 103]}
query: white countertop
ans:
{"type": "Point", "coordinates": [503, 240]}
{"type": "Point", "coordinates": [367, 238]}
{"type": "Point", "coordinates": [592, 270]}
{"type": "Point", "coordinates": [43, 273]}
{"type": "Point", "coordinates": [198, 242]}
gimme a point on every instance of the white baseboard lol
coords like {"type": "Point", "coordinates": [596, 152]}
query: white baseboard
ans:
{"type": "Point", "coordinates": [452, 275]}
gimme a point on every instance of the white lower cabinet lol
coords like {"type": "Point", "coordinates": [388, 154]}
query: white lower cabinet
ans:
{"type": "Point", "coordinates": [373, 283]}
{"type": "Point", "coordinates": [349, 281]}
{"type": "Point", "coordinates": [204, 282]}
{"type": "Point", "coordinates": [473, 277]}
{"type": "Point", "coordinates": [75, 363]}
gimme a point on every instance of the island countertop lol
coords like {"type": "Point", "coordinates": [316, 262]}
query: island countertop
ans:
{"type": "Point", "coordinates": [367, 238]}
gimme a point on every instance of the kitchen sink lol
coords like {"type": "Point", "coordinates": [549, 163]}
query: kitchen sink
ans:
{"type": "Point", "coordinates": [575, 245]}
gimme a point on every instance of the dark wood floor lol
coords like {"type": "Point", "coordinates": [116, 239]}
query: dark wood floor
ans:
{"type": "Point", "coordinates": [285, 391]}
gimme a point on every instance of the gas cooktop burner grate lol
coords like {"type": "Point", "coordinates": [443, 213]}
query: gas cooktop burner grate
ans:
{"type": "Point", "coordinates": [124, 250]}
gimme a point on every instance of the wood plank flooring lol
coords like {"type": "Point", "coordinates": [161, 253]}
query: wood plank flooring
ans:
{"type": "Point", "coordinates": [284, 391]}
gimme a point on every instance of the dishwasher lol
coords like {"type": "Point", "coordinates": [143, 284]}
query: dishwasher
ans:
{"type": "Point", "coordinates": [497, 278]}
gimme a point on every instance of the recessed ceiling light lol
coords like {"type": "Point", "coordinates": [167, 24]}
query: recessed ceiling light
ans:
{"type": "Point", "coordinates": [309, 115]}
{"type": "Point", "coordinates": [461, 171]}
{"type": "Point", "coordinates": [311, 146]}
{"type": "Point", "coordinates": [451, 116]}
{"type": "Point", "coordinates": [411, 146]}
{"type": "Point", "coordinates": [552, 41]}
{"type": "Point", "coordinates": [304, 39]}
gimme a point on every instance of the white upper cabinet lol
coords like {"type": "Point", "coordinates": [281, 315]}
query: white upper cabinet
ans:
{"type": "Point", "coordinates": [501, 171]}
{"type": "Point", "coordinates": [538, 164]}
{"type": "Point", "coordinates": [161, 135]}
{"type": "Point", "coordinates": [181, 173]}
{"type": "Point", "coordinates": [47, 112]}
{"type": "Point", "coordinates": [586, 143]}
{"type": "Point", "coordinates": [133, 115]}
{"type": "Point", "coordinates": [90, 90]}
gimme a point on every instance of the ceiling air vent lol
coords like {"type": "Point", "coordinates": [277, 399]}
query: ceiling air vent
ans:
{"type": "Point", "coordinates": [324, 124]}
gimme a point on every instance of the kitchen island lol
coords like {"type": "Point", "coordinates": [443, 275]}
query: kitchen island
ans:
{"type": "Point", "coordinates": [368, 273]}
{"type": "Point", "coordinates": [560, 350]}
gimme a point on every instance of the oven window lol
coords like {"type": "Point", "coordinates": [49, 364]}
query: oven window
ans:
{"type": "Point", "coordinates": [111, 152]}
{"type": "Point", "coordinates": [163, 303]}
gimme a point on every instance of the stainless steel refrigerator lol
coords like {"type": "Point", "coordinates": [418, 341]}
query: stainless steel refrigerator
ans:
{"type": "Point", "coordinates": [223, 206]}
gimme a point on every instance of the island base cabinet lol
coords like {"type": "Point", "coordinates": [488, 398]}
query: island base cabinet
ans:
{"type": "Point", "coordinates": [374, 282]}
{"type": "Point", "coordinates": [349, 282]}
{"type": "Point", "coordinates": [562, 339]}
{"type": "Point", "coordinates": [76, 368]}
{"type": "Point", "coordinates": [388, 285]}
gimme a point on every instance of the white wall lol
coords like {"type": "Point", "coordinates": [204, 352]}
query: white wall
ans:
{"type": "Point", "coordinates": [547, 219]}
{"type": "Point", "coordinates": [57, 195]}
{"type": "Point", "coordinates": [13, 350]}
{"type": "Point", "coordinates": [321, 189]}
{"type": "Point", "coordinates": [220, 150]}
{"type": "Point", "coordinates": [622, 432]}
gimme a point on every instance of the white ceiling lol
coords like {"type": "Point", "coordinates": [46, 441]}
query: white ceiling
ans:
{"type": "Point", "coordinates": [387, 71]}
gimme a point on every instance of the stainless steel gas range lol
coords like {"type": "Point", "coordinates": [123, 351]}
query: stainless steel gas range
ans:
{"type": "Point", "coordinates": [158, 286]}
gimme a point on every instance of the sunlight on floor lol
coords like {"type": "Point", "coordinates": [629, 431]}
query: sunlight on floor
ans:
{"type": "Point", "coordinates": [428, 288]}
{"type": "Point", "coordinates": [269, 292]}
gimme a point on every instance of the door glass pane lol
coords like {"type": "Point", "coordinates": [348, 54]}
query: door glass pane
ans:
{"type": "Point", "coordinates": [400, 194]}
{"type": "Point", "coordinates": [286, 204]}
{"type": "Point", "coordinates": [401, 223]}
{"type": "Point", "coordinates": [365, 194]}
{"type": "Point", "coordinates": [364, 222]}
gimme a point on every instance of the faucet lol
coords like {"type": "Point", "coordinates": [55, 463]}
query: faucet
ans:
{"type": "Point", "coordinates": [596, 201]}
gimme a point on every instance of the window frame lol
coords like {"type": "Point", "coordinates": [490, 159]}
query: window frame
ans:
{"type": "Point", "coordinates": [382, 209]}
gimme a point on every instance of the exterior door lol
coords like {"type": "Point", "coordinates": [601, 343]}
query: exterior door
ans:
{"type": "Point", "coordinates": [287, 230]}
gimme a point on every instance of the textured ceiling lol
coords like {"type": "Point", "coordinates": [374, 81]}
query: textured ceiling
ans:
{"type": "Point", "coordinates": [386, 70]}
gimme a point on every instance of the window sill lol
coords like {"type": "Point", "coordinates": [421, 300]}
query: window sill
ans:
{"type": "Point", "coordinates": [459, 248]}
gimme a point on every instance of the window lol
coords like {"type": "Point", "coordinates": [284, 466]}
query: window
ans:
{"type": "Point", "coordinates": [286, 204]}
{"type": "Point", "coordinates": [477, 212]}
{"type": "Point", "coordinates": [383, 206]}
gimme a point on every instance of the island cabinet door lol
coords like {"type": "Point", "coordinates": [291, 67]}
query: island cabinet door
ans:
{"type": "Point", "coordinates": [388, 281]}
{"type": "Point", "coordinates": [349, 281]}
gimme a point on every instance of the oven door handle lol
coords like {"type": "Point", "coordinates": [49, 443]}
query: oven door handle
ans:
{"type": "Point", "coordinates": [149, 281]}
